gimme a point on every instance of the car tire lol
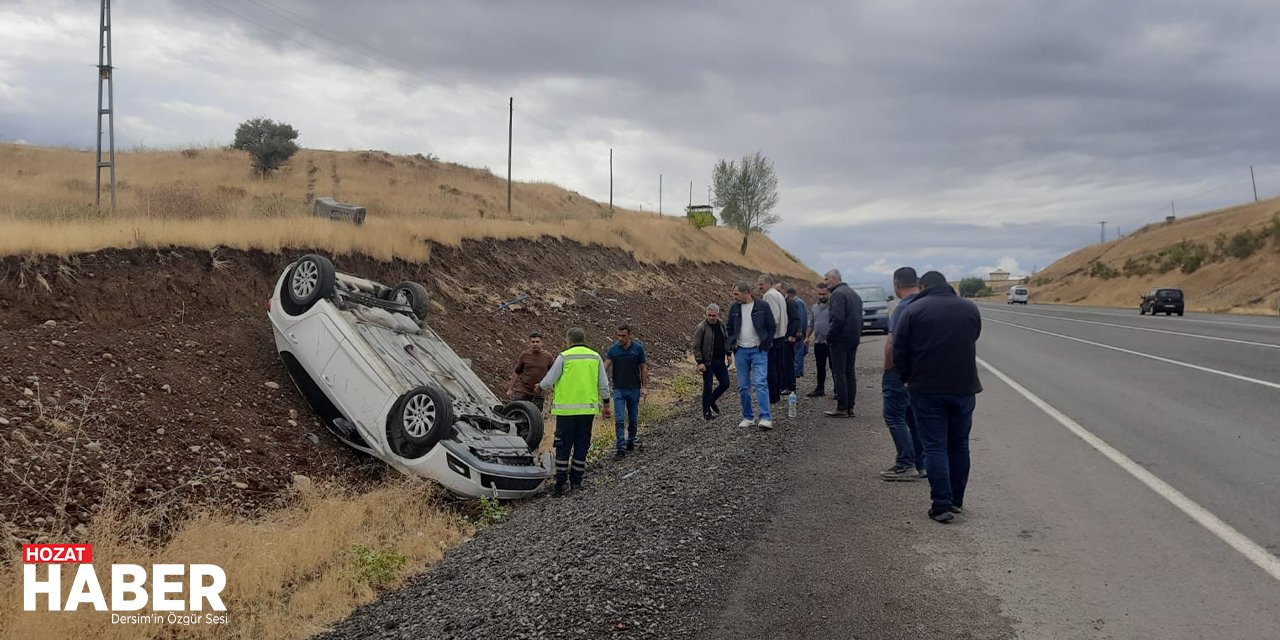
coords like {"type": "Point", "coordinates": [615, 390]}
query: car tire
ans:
{"type": "Point", "coordinates": [420, 419]}
{"type": "Point", "coordinates": [1179, 314]}
{"type": "Point", "coordinates": [414, 295]}
{"type": "Point", "coordinates": [529, 425]}
{"type": "Point", "coordinates": [309, 280]}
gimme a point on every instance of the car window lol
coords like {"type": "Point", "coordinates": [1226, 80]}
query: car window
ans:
{"type": "Point", "coordinates": [1169, 294]}
{"type": "Point", "coordinates": [871, 293]}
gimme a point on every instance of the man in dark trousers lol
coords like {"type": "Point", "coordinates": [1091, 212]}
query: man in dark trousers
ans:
{"type": "Point", "coordinates": [843, 336]}
{"type": "Point", "coordinates": [711, 352]}
{"type": "Point", "coordinates": [796, 326]}
{"type": "Point", "coordinates": [819, 322]}
{"type": "Point", "coordinates": [580, 390]}
{"type": "Point", "coordinates": [935, 355]}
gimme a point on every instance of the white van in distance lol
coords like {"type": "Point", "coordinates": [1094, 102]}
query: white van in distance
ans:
{"type": "Point", "coordinates": [1018, 294]}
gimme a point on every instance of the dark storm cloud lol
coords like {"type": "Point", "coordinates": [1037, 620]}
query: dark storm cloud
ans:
{"type": "Point", "coordinates": [997, 128]}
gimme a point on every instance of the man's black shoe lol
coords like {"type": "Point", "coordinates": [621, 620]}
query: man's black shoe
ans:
{"type": "Point", "coordinates": [707, 415]}
{"type": "Point", "coordinates": [956, 510]}
{"type": "Point", "coordinates": [715, 409]}
{"type": "Point", "coordinates": [943, 515]}
{"type": "Point", "coordinates": [838, 413]}
{"type": "Point", "coordinates": [576, 488]}
{"type": "Point", "coordinates": [559, 490]}
{"type": "Point", "coordinates": [620, 454]}
{"type": "Point", "coordinates": [631, 446]}
{"type": "Point", "coordinates": [816, 393]}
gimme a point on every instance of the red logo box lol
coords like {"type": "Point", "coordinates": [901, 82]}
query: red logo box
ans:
{"type": "Point", "coordinates": [57, 553]}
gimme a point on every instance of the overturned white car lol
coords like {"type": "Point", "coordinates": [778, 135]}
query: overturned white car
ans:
{"type": "Point", "coordinates": [385, 383]}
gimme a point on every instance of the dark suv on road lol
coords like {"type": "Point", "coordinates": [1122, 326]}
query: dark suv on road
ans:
{"type": "Point", "coordinates": [1168, 301]}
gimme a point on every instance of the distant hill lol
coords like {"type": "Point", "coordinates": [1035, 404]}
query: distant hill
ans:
{"type": "Point", "coordinates": [1226, 261]}
{"type": "Point", "coordinates": [208, 197]}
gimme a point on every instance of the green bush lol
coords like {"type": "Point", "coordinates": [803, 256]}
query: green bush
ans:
{"type": "Point", "coordinates": [1245, 243]}
{"type": "Point", "coordinates": [376, 568]}
{"type": "Point", "coordinates": [491, 512]}
{"type": "Point", "coordinates": [970, 287]}
{"type": "Point", "coordinates": [1099, 270]}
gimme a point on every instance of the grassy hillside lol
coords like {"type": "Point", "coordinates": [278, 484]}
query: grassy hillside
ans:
{"type": "Point", "coordinates": [1225, 260]}
{"type": "Point", "coordinates": [208, 197]}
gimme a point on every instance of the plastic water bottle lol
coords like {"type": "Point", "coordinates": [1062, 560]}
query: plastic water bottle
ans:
{"type": "Point", "coordinates": [791, 405]}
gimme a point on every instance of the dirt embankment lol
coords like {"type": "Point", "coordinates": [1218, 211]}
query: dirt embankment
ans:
{"type": "Point", "coordinates": [154, 373]}
{"type": "Point", "coordinates": [1225, 261]}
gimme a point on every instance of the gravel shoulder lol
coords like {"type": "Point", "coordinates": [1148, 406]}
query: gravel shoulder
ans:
{"type": "Point", "coordinates": [710, 532]}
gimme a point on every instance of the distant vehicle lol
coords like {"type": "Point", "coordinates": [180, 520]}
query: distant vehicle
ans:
{"type": "Point", "coordinates": [1161, 300]}
{"type": "Point", "coordinates": [875, 308]}
{"type": "Point", "coordinates": [386, 384]}
{"type": "Point", "coordinates": [1018, 294]}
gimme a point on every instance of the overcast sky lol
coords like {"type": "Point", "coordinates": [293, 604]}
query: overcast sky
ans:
{"type": "Point", "coordinates": [953, 135]}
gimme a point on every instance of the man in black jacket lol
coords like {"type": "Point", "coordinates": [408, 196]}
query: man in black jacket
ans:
{"type": "Point", "coordinates": [843, 337]}
{"type": "Point", "coordinates": [935, 354]}
{"type": "Point", "coordinates": [711, 352]}
{"type": "Point", "coordinates": [751, 329]}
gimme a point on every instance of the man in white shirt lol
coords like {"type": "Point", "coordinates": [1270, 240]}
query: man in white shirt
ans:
{"type": "Point", "coordinates": [778, 307]}
{"type": "Point", "coordinates": [750, 329]}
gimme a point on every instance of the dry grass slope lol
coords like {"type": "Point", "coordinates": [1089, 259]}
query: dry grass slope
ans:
{"type": "Point", "coordinates": [1200, 254]}
{"type": "Point", "coordinates": [206, 198]}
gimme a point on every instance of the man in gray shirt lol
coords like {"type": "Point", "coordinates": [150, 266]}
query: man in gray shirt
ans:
{"type": "Point", "coordinates": [816, 338]}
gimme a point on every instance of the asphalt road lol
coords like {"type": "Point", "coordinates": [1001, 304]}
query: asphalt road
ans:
{"type": "Point", "coordinates": [1060, 538]}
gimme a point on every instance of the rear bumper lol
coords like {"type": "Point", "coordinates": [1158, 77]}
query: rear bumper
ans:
{"type": "Point", "coordinates": [875, 323]}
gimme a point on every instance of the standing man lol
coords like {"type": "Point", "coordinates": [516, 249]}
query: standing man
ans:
{"type": "Point", "coordinates": [935, 354]}
{"type": "Point", "coordinates": [798, 324]}
{"type": "Point", "coordinates": [777, 351]}
{"type": "Point", "coordinates": [580, 390]}
{"type": "Point", "coordinates": [626, 360]}
{"type": "Point", "coordinates": [843, 336]}
{"type": "Point", "coordinates": [531, 367]}
{"type": "Point", "coordinates": [819, 322]}
{"type": "Point", "coordinates": [751, 329]}
{"type": "Point", "coordinates": [898, 416]}
{"type": "Point", "coordinates": [711, 351]}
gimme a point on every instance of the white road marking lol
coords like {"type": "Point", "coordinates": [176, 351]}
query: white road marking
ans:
{"type": "Point", "coordinates": [1094, 311]}
{"type": "Point", "coordinates": [1264, 559]}
{"type": "Point", "coordinates": [1126, 326]}
{"type": "Point", "coordinates": [1228, 374]}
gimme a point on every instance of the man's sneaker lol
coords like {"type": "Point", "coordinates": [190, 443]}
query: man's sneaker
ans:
{"type": "Point", "coordinates": [816, 393]}
{"type": "Point", "coordinates": [899, 474]}
{"type": "Point", "coordinates": [943, 515]}
{"type": "Point", "coordinates": [715, 409]}
{"type": "Point", "coordinates": [922, 472]}
{"type": "Point", "coordinates": [746, 422]}
{"type": "Point", "coordinates": [707, 415]}
{"type": "Point", "coordinates": [956, 510]}
{"type": "Point", "coordinates": [838, 414]}
{"type": "Point", "coordinates": [766, 424]}
{"type": "Point", "coordinates": [631, 446]}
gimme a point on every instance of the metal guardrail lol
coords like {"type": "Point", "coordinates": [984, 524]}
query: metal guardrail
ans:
{"type": "Point", "coordinates": [334, 210]}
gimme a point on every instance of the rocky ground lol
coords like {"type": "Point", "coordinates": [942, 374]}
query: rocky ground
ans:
{"type": "Point", "coordinates": [638, 553]}
{"type": "Point", "coordinates": [152, 374]}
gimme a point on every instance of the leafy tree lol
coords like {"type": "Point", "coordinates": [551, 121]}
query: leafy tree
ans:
{"type": "Point", "coordinates": [269, 143]}
{"type": "Point", "coordinates": [970, 287]}
{"type": "Point", "coordinates": [746, 194]}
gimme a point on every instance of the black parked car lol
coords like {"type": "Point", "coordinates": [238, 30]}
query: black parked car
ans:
{"type": "Point", "coordinates": [1161, 300]}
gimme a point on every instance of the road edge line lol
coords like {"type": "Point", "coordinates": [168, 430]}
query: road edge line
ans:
{"type": "Point", "coordinates": [1256, 554]}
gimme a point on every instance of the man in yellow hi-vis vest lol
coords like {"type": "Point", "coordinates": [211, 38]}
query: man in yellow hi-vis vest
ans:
{"type": "Point", "coordinates": [581, 391]}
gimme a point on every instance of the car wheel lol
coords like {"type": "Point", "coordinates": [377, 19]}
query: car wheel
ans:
{"type": "Point", "coordinates": [1142, 311]}
{"type": "Point", "coordinates": [528, 420]}
{"type": "Point", "coordinates": [414, 295]}
{"type": "Point", "coordinates": [1179, 314]}
{"type": "Point", "coordinates": [421, 418]}
{"type": "Point", "coordinates": [310, 279]}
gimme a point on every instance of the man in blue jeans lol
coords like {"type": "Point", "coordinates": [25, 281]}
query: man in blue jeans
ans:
{"type": "Point", "coordinates": [935, 354]}
{"type": "Point", "coordinates": [751, 330]}
{"type": "Point", "coordinates": [898, 415]}
{"type": "Point", "coordinates": [626, 360]}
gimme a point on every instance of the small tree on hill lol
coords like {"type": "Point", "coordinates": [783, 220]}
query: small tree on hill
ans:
{"type": "Point", "coordinates": [269, 143]}
{"type": "Point", "coordinates": [746, 194]}
{"type": "Point", "coordinates": [970, 287]}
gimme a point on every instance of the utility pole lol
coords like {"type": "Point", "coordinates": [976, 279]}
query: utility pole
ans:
{"type": "Point", "coordinates": [104, 77]}
{"type": "Point", "coordinates": [611, 182]}
{"type": "Point", "coordinates": [708, 195]}
{"type": "Point", "coordinates": [691, 193]}
{"type": "Point", "coordinates": [1104, 231]}
{"type": "Point", "coordinates": [1255, 183]}
{"type": "Point", "coordinates": [511, 114]}
{"type": "Point", "coordinates": [659, 195]}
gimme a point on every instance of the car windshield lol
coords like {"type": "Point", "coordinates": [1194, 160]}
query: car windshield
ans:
{"type": "Point", "coordinates": [871, 293]}
{"type": "Point", "coordinates": [1020, 291]}
{"type": "Point", "coordinates": [1169, 294]}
